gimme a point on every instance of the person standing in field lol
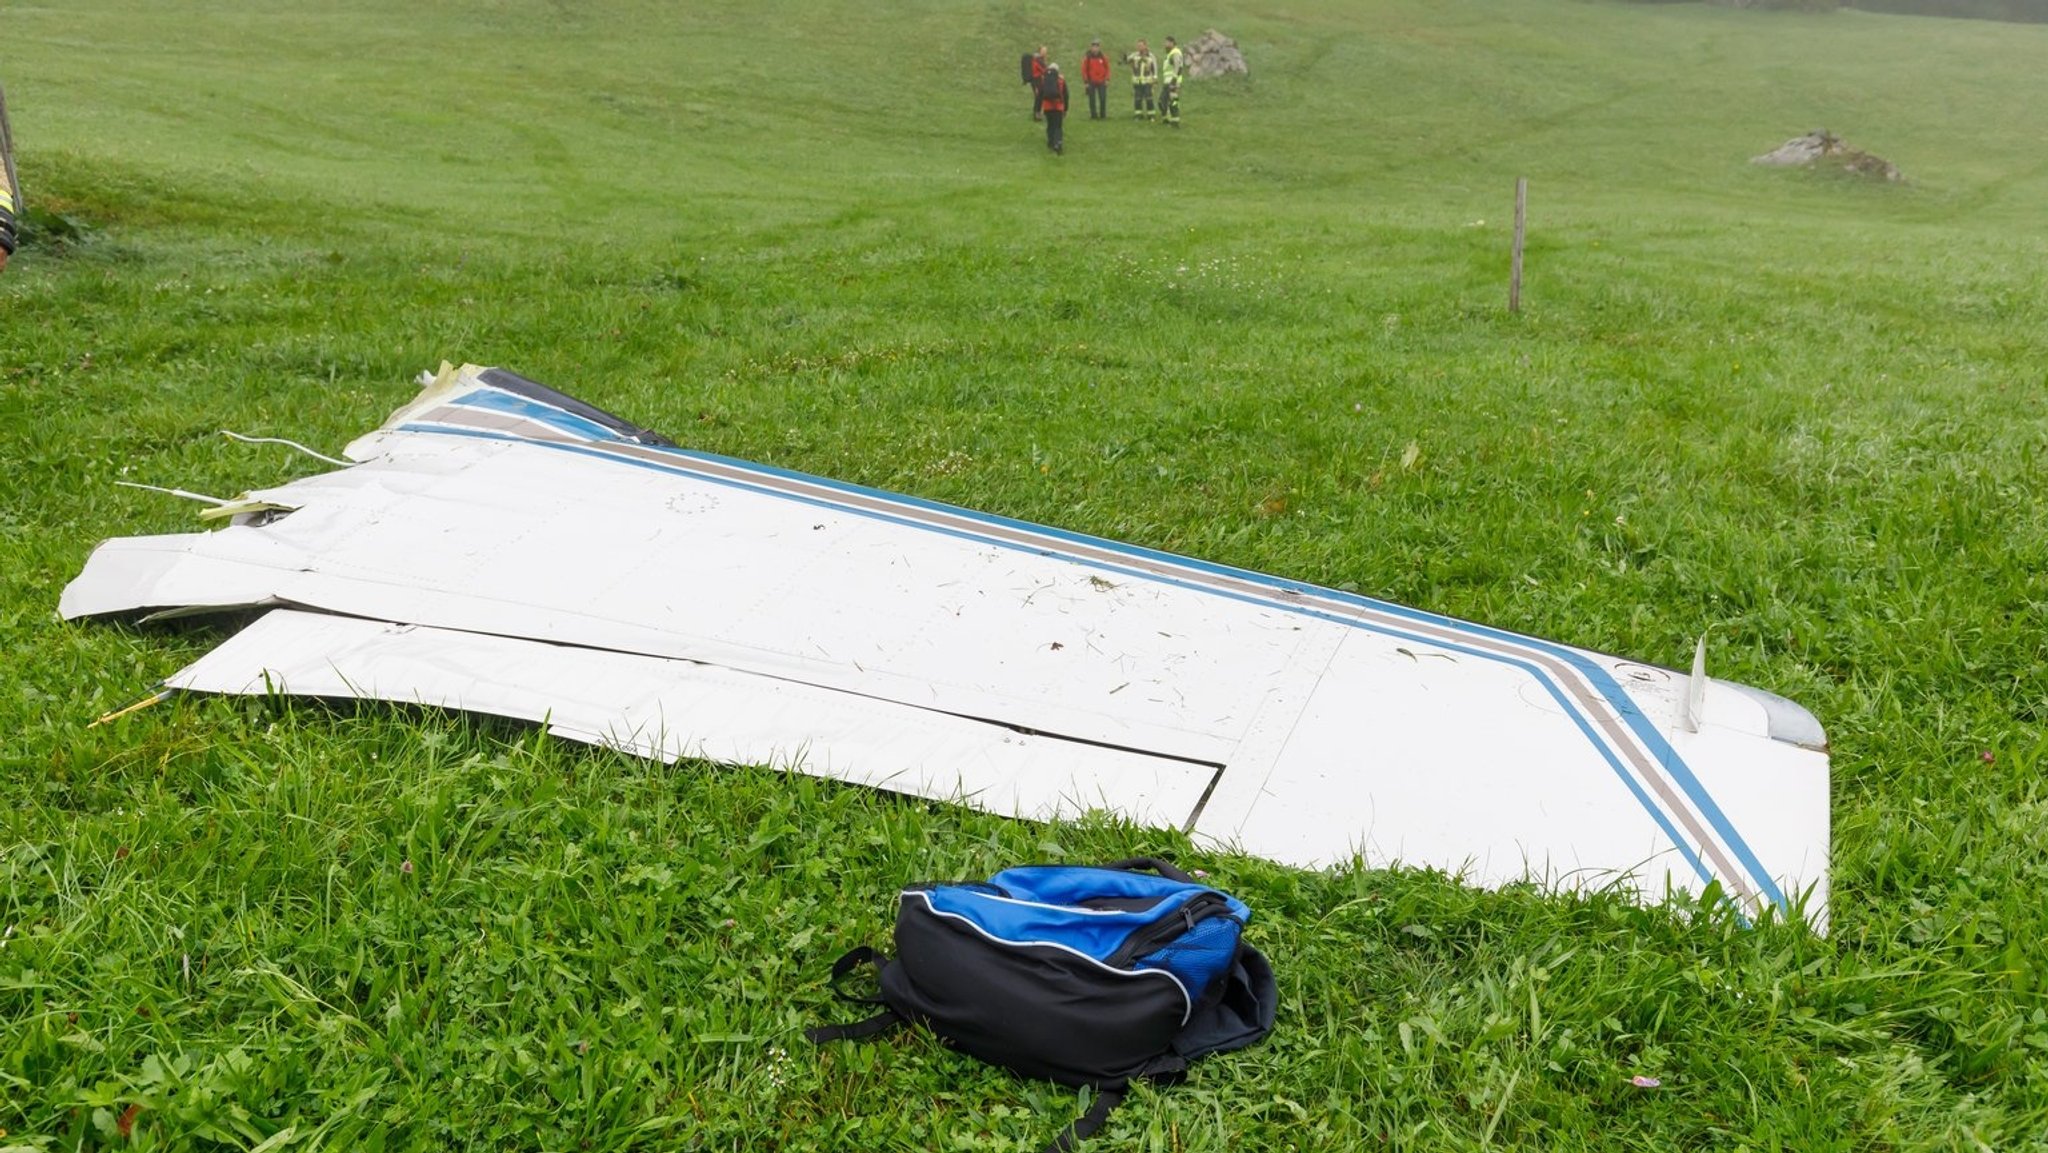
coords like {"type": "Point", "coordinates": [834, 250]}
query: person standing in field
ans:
{"type": "Point", "coordinates": [1172, 71]}
{"type": "Point", "coordinates": [1033, 69]}
{"type": "Point", "coordinates": [1052, 101]}
{"type": "Point", "coordinates": [1144, 74]}
{"type": "Point", "coordinates": [9, 209]}
{"type": "Point", "coordinates": [1095, 72]}
{"type": "Point", "coordinates": [8, 235]}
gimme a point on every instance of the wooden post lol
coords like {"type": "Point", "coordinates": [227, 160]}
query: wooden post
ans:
{"type": "Point", "coordinates": [1515, 271]}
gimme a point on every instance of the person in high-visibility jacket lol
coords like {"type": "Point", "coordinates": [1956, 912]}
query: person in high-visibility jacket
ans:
{"type": "Point", "coordinates": [1144, 74]}
{"type": "Point", "coordinates": [7, 234]}
{"type": "Point", "coordinates": [1095, 73]}
{"type": "Point", "coordinates": [1172, 71]}
{"type": "Point", "coordinates": [1052, 100]}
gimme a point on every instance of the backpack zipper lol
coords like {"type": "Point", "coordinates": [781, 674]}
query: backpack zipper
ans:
{"type": "Point", "coordinates": [1192, 912]}
{"type": "Point", "coordinates": [983, 887]}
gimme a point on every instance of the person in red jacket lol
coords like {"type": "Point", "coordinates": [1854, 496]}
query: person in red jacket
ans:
{"type": "Point", "coordinates": [1052, 101]}
{"type": "Point", "coordinates": [1095, 72]}
{"type": "Point", "coordinates": [1033, 69]}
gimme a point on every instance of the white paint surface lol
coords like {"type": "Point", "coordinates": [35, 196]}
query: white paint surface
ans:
{"type": "Point", "coordinates": [681, 605]}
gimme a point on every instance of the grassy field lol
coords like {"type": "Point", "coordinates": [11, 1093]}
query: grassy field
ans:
{"type": "Point", "coordinates": [1801, 415]}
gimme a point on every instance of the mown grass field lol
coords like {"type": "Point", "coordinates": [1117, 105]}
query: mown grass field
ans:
{"type": "Point", "coordinates": [1800, 415]}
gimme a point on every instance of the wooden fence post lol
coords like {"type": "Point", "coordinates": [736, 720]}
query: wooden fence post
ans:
{"type": "Point", "coordinates": [1515, 272]}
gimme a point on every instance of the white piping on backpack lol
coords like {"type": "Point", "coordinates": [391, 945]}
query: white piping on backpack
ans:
{"type": "Point", "coordinates": [1187, 1002]}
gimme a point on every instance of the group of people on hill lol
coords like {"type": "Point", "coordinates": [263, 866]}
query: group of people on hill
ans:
{"type": "Point", "coordinates": [1155, 87]}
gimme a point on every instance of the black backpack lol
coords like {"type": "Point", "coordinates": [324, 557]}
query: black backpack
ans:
{"type": "Point", "coordinates": [1084, 976]}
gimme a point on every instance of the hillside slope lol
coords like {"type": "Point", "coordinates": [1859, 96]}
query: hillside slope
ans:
{"type": "Point", "coordinates": [1800, 415]}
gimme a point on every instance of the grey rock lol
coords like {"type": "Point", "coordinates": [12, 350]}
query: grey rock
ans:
{"type": "Point", "coordinates": [1213, 54]}
{"type": "Point", "coordinates": [1821, 148]}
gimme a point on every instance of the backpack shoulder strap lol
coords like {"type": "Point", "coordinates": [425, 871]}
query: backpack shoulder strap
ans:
{"type": "Point", "coordinates": [1164, 868]}
{"type": "Point", "coordinates": [1089, 1123]}
{"type": "Point", "coordinates": [881, 1022]}
{"type": "Point", "coordinates": [849, 961]}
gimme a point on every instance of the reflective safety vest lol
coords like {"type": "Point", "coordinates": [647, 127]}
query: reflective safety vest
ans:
{"type": "Point", "coordinates": [1144, 67]}
{"type": "Point", "coordinates": [7, 235]}
{"type": "Point", "coordinates": [1176, 66]}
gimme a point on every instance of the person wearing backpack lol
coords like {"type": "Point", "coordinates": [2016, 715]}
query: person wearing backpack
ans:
{"type": "Point", "coordinates": [1032, 68]}
{"type": "Point", "coordinates": [1095, 73]}
{"type": "Point", "coordinates": [1052, 101]}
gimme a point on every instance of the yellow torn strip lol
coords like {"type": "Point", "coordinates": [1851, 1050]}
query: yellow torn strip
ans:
{"type": "Point", "coordinates": [138, 706]}
{"type": "Point", "coordinates": [244, 504]}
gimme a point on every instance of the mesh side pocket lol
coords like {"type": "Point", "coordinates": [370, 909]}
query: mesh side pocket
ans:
{"type": "Point", "coordinates": [1199, 956]}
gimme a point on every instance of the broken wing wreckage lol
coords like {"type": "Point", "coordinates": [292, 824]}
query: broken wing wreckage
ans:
{"type": "Point", "coordinates": [502, 548]}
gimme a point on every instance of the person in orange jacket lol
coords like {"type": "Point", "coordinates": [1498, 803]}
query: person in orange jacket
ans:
{"type": "Point", "coordinates": [1052, 101]}
{"type": "Point", "coordinates": [1033, 70]}
{"type": "Point", "coordinates": [1095, 73]}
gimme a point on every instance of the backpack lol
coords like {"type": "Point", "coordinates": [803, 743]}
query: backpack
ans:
{"type": "Point", "coordinates": [1052, 90]}
{"type": "Point", "coordinates": [1084, 976]}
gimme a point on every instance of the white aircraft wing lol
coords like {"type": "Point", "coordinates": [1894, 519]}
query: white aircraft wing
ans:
{"type": "Point", "coordinates": [503, 548]}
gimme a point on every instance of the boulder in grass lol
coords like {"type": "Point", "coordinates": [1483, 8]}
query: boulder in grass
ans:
{"type": "Point", "coordinates": [1821, 148]}
{"type": "Point", "coordinates": [1213, 54]}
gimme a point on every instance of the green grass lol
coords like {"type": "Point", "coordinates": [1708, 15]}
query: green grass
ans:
{"type": "Point", "coordinates": [1800, 415]}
